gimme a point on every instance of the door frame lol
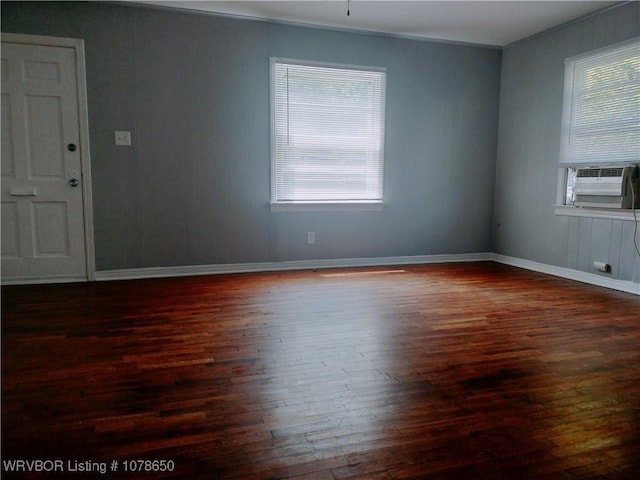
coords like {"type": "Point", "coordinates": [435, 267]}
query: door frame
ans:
{"type": "Point", "coordinates": [85, 154]}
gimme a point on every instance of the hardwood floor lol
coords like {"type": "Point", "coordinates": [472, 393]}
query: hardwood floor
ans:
{"type": "Point", "coordinates": [474, 370]}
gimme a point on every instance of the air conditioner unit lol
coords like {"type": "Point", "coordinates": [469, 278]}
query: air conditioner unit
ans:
{"type": "Point", "coordinates": [608, 187]}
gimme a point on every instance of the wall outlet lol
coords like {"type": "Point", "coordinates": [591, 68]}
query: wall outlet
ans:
{"type": "Point", "coordinates": [311, 238]}
{"type": "Point", "coordinates": [123, 138]}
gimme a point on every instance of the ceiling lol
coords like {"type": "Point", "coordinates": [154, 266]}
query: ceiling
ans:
{"type": "Point", "coordinates": [497, 23]}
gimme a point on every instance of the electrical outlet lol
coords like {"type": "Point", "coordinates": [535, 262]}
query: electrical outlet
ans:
{"type": "Point", "coordinates": [123, 138]}
{"type": "Point", "coordinates": [311, 238]}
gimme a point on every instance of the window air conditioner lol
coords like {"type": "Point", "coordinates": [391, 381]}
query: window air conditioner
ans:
{"type": "Point", "coordinates": [608, 187]}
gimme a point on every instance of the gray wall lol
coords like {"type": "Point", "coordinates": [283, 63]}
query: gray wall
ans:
{"type": "Point", "coordinates": [194, 187]}
{"type": "Point", "coordinates": [194, 91]}
{"type": "Point", "coordinates": [528, 145]}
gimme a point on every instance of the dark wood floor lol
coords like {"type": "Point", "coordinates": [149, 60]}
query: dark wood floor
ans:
{"type": "Point", "coordinates": [472, 370]}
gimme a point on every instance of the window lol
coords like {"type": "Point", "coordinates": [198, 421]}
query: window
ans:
{"type": "Point", "coordinates": [601, 113]}
{"type": "Point", "coordinates": [327, 135]}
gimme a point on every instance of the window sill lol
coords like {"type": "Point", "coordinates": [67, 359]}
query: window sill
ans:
{"type": "Point", "coordinates": [325, 206]}
{"type": "Point", "coordinates": [609, 214]}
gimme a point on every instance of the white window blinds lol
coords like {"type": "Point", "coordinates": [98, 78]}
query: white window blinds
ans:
{"type": "Point", "coordinates": [601, 108]}
{"type": "Point", "coordinates": [327, 133]}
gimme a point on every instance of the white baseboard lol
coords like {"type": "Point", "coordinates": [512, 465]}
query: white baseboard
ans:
{"type": "Point", "coordinates": [569, 273]}
{"type": "Point", "coordinates": [165, 272]}
{"type": "Point", "coordinates": [42, 280]}
{"type": "Point", "coordinates": [162, 272]}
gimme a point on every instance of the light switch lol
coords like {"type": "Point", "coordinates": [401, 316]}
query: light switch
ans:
{"type": "Point", "coordinates": [123, 138]}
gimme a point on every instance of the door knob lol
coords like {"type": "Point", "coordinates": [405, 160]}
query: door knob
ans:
{"type": "Point", "coordinates": [71, 147]}
{"type": "Point", "coordinates": [74, 182]}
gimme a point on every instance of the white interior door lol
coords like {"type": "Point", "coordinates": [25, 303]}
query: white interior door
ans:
{"type": "Point", "coordinates": [43, 225]}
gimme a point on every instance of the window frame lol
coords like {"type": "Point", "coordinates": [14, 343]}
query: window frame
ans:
{"type": "Point", "coordinates": [561, 207]}
{"type": "Point", "coordinates": [321, 205]}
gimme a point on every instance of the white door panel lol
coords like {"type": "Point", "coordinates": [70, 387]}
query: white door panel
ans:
{"type": "Point", "coordinates": [43, 232]}
{"type": "Point", "coordinates": [10, 239]}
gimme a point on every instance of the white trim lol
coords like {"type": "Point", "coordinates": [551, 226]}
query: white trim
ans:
{"type": "Point", "coordinates": [167, 272]}
{"type": "Point", "coordinates": [85, 149]}
{"type": "Point", "coordinates": [163, 272]}
{"type": "Point", "coordinates": [568, 273]}
{"type": "Point", "coordinates": [43, 280]}
{"type": "Point", "coordinates": [313, 63]}
{"type": "Point", "coordinates": [570, 211]}
{"type": "Point", "coordinates": [325, 206]}
{"type": "Point", "coordinates": [40, 40]}
{"type": "Point", "coordinates": [85, 159]}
